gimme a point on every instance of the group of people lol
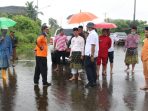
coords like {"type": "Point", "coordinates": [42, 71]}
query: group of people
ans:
{"type": "Point", "coordinates": [91, 50]}
{"type": "Point", "coordinates": [88, 51]}
{"type": "Point", "coordinates": [8, 56]}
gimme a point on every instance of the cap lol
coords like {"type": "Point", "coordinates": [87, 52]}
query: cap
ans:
{"type": "Point", "coordinates": [134, 27]}
{"type": "Point", "coordinates": [146, 28]}
{"type": "Point", "coordinates": [44, 27]}
{"type": "Point", "coordinates": [75, 29]}
{"type": "Point", "coordinates": [81, 27]}
{"type": "Point", "coordinates": [90, 25]}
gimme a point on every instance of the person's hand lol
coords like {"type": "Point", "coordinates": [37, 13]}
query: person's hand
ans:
{"type": "Point", "coordinates": [82, 57]}
{"type": "Point", "coordinates": [41, 48]}
{"type": "Point", "coordinates": [92, 58]}
{"type": "Point", "coordinates": [2, 38]}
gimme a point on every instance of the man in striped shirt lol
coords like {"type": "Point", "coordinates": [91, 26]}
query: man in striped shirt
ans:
{"type": "Point", "coordinates": [60, 46]}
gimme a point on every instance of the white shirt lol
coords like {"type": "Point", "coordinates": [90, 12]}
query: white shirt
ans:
{"type": "Point", "coordinates": [77, 44]}
{"type": "Point", "coordinates": [114, 39]}
{"type": "Point", "coordinates": [92, 39]}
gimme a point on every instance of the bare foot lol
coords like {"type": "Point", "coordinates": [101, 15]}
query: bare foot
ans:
{"type": "Point", "coordinates": [111, 73]}
{"type": "Point", "coordinates": [57, 69]}
{"type": "Point", "coordinates": [144, 88]}
{"type": "Point", "coordinates": [133, 71]}
{"type": "Point", "coordinates": [104, 74]}
{"type": "Point", "coordinates": [79, 79]}
{"type": "Point", "coordinates": [72, 78]}
{"type": "Point", "coordinates": [127, 69]}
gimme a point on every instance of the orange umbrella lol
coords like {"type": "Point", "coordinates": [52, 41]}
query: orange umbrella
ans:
{"type": "Point", "coordinates": [81, 17]}
{"type": "Point", "coordinates": [105, 25]}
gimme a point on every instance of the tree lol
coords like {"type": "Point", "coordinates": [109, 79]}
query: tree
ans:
{"type": "Point", "coordinates": [31, 10]}
{"type": "Point", "coordinates": [125, 25]}
{"type": "Point", "coordinates": [53, 23]}
{"type": "Point", "coordinates": [26, 25]}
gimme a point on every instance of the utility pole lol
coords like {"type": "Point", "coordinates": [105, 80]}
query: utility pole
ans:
{"type": "Point", "coordinates": [37, 8]}
{"type": "Point", "coordinates": [134, 15]}
{"type": "Point", "coordinates": [105, 19]}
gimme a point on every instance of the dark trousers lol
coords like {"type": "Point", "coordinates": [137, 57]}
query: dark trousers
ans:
{"type": "Point", "coordinates": [60, 54]}
{"type": "Point", "coordinates": [90, 68]}
{"type": "Point", "coordinates": [41, 68]}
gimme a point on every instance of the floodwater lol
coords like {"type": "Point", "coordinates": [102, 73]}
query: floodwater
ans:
{"type": "Point", "coordinates": [117, 93]}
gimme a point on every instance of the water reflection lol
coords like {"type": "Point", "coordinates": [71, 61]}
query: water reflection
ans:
{"type": "Point", "coordinates": [77, 98]}
{"type": "Point", "coordinates": [90, 103]}
{"type": "Point", "coordinates": [130, 94]}
{"type": "Point", "coordinates": [92, 99]}
{"type": "Point", "coordinates": [41, 98]}
{"type": "Point", "coordinates": [9, 91]}
{"type": "Point", "coordinates": [145, 102]}
{"type": "Point", "coordinates": [105, 95]}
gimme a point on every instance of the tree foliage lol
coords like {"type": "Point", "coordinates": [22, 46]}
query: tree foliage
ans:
{"type": "Point", "coordinates": [26, 25]}
{"type": "Point", "coordinates": [31, 10]}
{"type": "Point", "coordinates": [53, 25]}
{"type": "Point", "coordinates": [125, 25]}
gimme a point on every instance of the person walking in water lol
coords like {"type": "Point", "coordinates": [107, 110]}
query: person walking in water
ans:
{"type": "Point", "coordinates": [104, 45]}
{"type": "Point", "coordinates": [60, 46]}
{"type": "Point", "coordinates": [131, 44]}
{"type": "Point", "coordinates": [5, 52]}
{"type": "Point", "coordinates": [111, 52]}
{"type": "Point", "coordinates": [76, 54]}
{"type": "Point", "coordinates": [91, 54]}
{"type": "Point", "coordinates": [41, 57]}
{"type": "Point", "coordinates": [14, 45]}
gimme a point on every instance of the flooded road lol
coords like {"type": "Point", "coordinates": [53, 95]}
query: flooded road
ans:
{"type": "Point", "coordinates": [117, 93]}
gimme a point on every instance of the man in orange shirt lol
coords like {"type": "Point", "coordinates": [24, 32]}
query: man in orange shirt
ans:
{"type": "Point", "coordinates": [144, 58]}
{"type": "Point", "coordinates": [41, 57]}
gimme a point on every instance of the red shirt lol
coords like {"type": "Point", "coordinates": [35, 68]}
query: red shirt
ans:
{"type": "Point", "coordinates": [104, 45]}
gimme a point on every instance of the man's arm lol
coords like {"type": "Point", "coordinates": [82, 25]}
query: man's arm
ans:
{"type": "Point", "coordinates": [39, 42]}
{"type": "Point", "coordinates": [92, 52]}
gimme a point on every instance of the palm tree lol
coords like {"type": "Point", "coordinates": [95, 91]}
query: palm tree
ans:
{"type": "Point", "coordinates": [32, 10]}
{"type": "Point", "coordinates": [53, 23]}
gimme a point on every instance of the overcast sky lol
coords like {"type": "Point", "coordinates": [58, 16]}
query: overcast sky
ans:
{"type": "Point", "coordinates": [60, 9]}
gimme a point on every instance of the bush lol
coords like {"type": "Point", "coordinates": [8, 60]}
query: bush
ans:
{"type": "Point", "coordinates": [21, 37]}
{"type": "Point", "coordinates": [26, 25]}
{"type": "Point", "coordinates": [25, 50]}
{"type": "Point", "coordinates": [31, 37]}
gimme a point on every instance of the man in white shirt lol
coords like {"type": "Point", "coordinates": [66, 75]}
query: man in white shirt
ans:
{"type": "Point", "coordinates": [91, 53]}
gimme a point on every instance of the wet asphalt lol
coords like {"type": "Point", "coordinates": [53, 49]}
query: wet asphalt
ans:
{"type": "Point", "coordinates": [121, 92]}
